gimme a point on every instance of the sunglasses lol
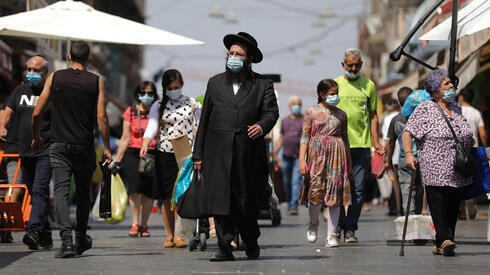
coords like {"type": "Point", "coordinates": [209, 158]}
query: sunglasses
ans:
{"type": "Point", "coordinates": [142, 93]}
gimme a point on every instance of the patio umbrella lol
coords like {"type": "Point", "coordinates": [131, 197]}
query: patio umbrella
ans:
{"type": "Point", "coordinates": [70, 20]}
{"type": "Point", "coordinates": [473, 18]}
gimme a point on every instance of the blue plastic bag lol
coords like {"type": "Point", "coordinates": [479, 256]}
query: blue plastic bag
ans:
{"type": "Point", "coordinates": [413, 100]}
{"type": "Point", "coordinates": [184, 179]}
{"type": "Point", "coordinates": [481, 182]}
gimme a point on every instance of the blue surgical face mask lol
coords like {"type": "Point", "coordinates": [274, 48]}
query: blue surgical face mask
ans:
{"type": "Point", "coordinates": [296, 109]}
{"type": "Point", "coordinates": [146, 99]}
{"type": "Point", "coordinates": [449, 95]}
{"type": "Point", "coordinates": [34, 78]}
{"type": "Point", "coordinates": [174, 94]}
{"type": "Point", "coordinates": [352, 76]}
{"type": "Point", "coordinates": [332, 100]}
{"type": "Point", "coordinates": [235, 64]}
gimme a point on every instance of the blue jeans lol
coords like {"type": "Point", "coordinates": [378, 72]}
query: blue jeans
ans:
{"type": "Point", "coordinates": [292, 180]}
{"type": "Point", "coordinates": [361, 165]}
{"type": "Point", "coordinates": [36, 174]}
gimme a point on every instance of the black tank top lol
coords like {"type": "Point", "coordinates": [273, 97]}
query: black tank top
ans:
{"type": "Point", "coordinates": [74, 94]}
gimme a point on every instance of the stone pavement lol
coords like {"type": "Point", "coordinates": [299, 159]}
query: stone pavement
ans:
{"type": "Point", "coordinates": [284, 251]}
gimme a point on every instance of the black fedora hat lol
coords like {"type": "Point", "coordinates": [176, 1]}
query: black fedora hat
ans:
{"type": "Point", "coordinates": [247, 40]}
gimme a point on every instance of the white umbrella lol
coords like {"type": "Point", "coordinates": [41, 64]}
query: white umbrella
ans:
{"type": "Point", "coordinates": [71, 20]}
{"type": "Point", "coordinates": [473, 18]}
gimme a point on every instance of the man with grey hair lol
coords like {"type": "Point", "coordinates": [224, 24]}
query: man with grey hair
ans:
{"type": "Point", "coordinates": [289, 139]}
{"type": "Point", "coordinates": [358, 98]}
{"type": "Point", "coordinates": [36, 166]}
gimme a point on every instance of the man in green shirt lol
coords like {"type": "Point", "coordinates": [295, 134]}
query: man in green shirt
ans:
{"type": "Point", "coordinates": [358, 98]}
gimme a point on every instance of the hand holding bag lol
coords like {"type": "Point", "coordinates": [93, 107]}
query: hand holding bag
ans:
{"type": "Point", "coordinates": [192, 204]}
{"type": "Point", "coordinates": [464, 162]}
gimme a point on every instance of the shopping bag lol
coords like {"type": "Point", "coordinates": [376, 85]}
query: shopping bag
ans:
{"type": "Point", "coordinates": [184, 179]}
{"type": "Point", "coordinates": [481, 181]}
{"type": "Point", "coordinates": [377, 163]}
{"type": "Point", "coordinates": [385, 184]}
{"type": "Point", "coordinates": [192, 204]}
{"type": "Point", "coordinates": [419, 227]}
{"type": "Point", "coordinates": [118, 201]}
{"type": "Point", "coordinates": [105, 210]}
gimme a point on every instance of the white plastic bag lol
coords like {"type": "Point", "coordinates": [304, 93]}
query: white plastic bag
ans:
{"type": "Point", "coordinates": [385, 184]}
{"type": "Point", "coordinates": [419, 227]}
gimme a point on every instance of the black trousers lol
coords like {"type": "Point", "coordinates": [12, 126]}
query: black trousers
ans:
{"type": "Point", "coordinates": [227, 226]}
{"type": "Point", "coordinates": [79, 160]}
{"type": "Point", "coordinates": [444, 204]}
{"type": "Point", "coordinates": [37, 173]}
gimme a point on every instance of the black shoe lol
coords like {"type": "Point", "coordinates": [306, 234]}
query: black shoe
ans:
{"type": "Point", "coordinates": [222, 256]}
{"type": "Point", "coordinates": [82, 244]}
{"type": "Point", "coordinates": [32, 240]}
{"type": "Point", "coordinates": [392, 213]}
{"type": "Point", "coordinates": [253, 251]}
{"type": "Point", "coordinates": [46, 242]}
{"type": "Point", "coordinates": [66, 250]}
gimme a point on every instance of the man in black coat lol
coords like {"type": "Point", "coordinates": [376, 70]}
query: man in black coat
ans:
{"type": "Point", "coordinates": [240, 108]}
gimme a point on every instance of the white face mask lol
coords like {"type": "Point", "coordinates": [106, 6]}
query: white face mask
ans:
{"type": "Point", "coordinates": [332, 100]}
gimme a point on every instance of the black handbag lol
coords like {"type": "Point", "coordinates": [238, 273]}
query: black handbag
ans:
{"type": "Point", "coordinates": [464, 162]}
{"type": "Point", "coordinates": [145, 167]}
{"type": "Point", "coordinates": [192, 204]}
{"type": "Point", "coordinates": [105, 208]}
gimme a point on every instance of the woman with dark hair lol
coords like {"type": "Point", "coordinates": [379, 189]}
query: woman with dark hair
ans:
{"type": "Point", "coordinates": [436, 152]}
{"type": "Point", "coordinates": [170, 117]}
{"type": "Point", "coordinates": [140, 186]}
{"type": "Point", "coordinates": [325, 161]}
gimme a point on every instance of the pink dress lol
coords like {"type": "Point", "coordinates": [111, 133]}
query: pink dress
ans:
{"type": "Point", "coordinates": [325, 133]}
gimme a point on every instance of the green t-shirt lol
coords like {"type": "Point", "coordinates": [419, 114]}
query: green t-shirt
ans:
{"type": "Point", "coordinates": [355, 96]}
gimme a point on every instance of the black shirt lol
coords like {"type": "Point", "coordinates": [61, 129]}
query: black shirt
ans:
{"type": "Point", "coordinates": [74, 95]}
{"type": "Point", "coordinates": [12, 145]}
{"type": "Point", "coordinates": [22, 101]}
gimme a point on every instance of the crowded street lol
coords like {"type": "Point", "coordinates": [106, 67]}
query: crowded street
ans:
{"type": "Point", "coordinates": [285, 251]}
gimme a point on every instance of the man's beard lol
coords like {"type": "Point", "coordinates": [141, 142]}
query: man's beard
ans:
{"type": "Point", "coordinates": [242, 74]}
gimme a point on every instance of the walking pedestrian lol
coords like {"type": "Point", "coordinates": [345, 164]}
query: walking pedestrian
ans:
{"type": "Point", "coordinates": [240, 108]}
{"type": "Point", "coordinates": [325, 160]}
{"type": "Point", "coordinates": [35, 165]}
{"type": "Point", "coordinates": [289, 141]}
{"type": "Point", "coordinates": [77, 103]}
{"type": "Point", "coordinates": [175, 114]}
{"type": "Point", "coordinates": [139, 185]}
{"type": "Point", "coordinates": [395, 131]}
{"type": "Point", "coordinates": [358, 98]}
{"type": "Point", "coordinates": [475, 120]}
{"type": "Point", "coordinates": [436, 145]}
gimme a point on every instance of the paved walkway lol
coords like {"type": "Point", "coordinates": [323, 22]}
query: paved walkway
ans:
{"type": "Point", "coordinates": [284, 251]}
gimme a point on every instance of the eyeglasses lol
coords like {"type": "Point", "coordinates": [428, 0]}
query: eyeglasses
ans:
{"type": "Point", "coordinates": [143, 93]}
{"type": "Point", "coordinates": [237, 54]}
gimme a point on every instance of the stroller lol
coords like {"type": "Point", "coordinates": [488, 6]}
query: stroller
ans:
{"type": "Point", "coordinates": [200, 235]}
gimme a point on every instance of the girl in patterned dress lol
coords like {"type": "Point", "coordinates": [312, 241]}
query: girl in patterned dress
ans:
{"type": "Point", "coordinates": [325, 161]}
{"type": "Point", "coordinates": [170, 117]}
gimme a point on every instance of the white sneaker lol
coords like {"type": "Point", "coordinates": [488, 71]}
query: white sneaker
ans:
{"type": "Point", "coordinates": [311, 233]}
{"type": "Point", "coordinates": [331, 241]}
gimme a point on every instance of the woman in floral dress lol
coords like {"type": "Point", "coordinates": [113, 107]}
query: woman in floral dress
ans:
{"type": "Point", "coordinates": [325, 160]}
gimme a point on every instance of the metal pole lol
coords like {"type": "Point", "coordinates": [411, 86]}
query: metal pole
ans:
{"type": "Point", "coordinates": [452, 47]}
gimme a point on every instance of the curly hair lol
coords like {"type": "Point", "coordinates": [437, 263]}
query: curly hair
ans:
{"type": "Point", "coordinates": [432, 82]}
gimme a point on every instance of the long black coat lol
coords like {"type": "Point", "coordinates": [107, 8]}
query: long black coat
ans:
{"type": "Point", "coordinates": [231, 161]}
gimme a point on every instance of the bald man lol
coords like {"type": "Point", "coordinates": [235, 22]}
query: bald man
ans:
{"type": "Point", "coordinates": [36, 166]}
{"type": "Point", "coordinates": [291, 127]}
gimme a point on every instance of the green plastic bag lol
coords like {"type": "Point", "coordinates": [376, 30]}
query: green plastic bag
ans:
{"type": "Point", "coordinates": [119, 201]}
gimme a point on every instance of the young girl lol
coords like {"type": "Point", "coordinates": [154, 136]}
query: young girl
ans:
{"type": "Point", "coordinates": [325, 161]}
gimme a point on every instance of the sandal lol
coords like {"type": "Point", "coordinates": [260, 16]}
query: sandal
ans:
{"type": "Point", "coordinates": [168, 243]}
{"type": "Point", "coordinates": [212, 232]}
{"type": "Point", "coordinates": [179, 242]}
{"type": "Point", "coordinates": [144, 232]}
{"type": "Point", "coordinates": [134, 230]}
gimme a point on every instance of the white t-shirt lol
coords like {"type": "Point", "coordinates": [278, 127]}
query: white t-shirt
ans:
{"type": "Point", "coordinates": [473, 116]}
{"type": "Point", "coordinates": [384, 132]}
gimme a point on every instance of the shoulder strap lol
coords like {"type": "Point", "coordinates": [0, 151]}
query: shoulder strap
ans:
{"type": "Point", "coordinates": [193, 103]}
{"type": "Point", "coordinates": [447, 120]}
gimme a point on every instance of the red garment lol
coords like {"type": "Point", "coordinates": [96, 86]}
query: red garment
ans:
{"type": "Point", "coordinates": [136, 137]}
